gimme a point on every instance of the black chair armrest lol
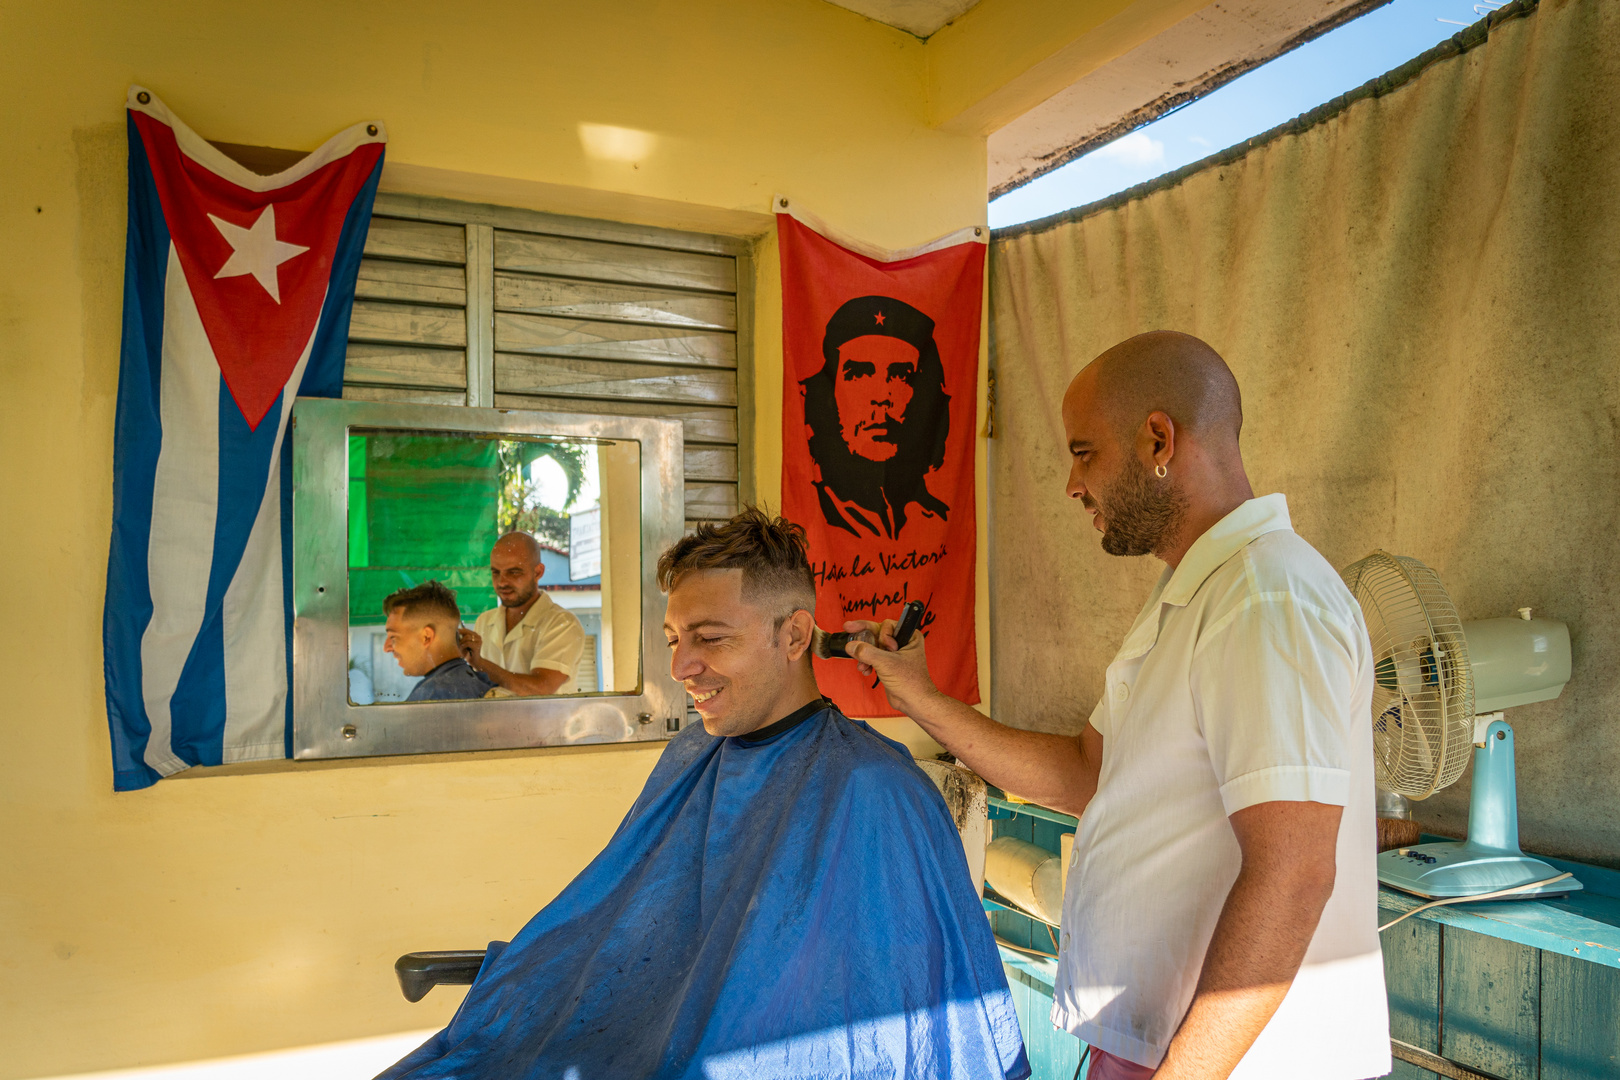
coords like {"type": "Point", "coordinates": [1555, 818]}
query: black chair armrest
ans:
{"type": "Point", "coordinates": [420, 972]}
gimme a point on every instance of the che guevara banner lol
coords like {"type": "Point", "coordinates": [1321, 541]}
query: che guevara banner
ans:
{"type": "Point", "coordinates": [237, 294]}
{"type": "Point", "coordinates": [879, 402]}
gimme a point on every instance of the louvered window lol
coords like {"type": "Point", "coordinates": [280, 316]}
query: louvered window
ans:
{"type": "Point", "coordinates": [465, 304]}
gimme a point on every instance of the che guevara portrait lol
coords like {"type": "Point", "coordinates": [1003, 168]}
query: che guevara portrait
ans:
{"type": "Point", "coordinates": [878, 417]}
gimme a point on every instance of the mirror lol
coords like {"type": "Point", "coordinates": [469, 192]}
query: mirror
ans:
{"type": "Point", "coordinates": [478, 579]}
{"type": "Point", "coordinates": [521, 534]}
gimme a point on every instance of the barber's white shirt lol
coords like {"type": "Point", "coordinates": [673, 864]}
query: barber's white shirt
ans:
{"type": "Point", "coordinates": [1247, 678]}
{"type": "Point", "coordinates": [547, 637]}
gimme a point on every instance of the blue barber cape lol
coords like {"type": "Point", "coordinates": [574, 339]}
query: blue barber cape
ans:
{"type": "Point", "coordinates": [794, 906]}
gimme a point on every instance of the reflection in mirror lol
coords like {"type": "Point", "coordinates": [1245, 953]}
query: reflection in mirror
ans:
{"type": "Point", "coordinates": [492, 566]}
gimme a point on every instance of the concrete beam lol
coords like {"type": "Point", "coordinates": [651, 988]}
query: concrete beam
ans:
{"type": "Point", "coordinates": [1206, 49]}
{"type": "Point", "coordinates": [1005, 57]}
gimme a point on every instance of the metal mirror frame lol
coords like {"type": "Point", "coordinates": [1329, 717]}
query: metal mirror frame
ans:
{"type": "Point", "coordinates": [326, 725]}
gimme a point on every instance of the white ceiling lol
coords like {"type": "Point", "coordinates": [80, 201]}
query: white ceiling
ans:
{"type": "Point", "coordinates": [919, 17]}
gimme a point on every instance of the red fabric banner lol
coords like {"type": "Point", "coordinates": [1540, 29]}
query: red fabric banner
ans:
{"type": "Point", "coordinates": [879, 402]}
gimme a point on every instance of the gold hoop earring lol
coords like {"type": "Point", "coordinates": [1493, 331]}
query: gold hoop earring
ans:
{"type": "Point", "coordinates": [1160, 471]}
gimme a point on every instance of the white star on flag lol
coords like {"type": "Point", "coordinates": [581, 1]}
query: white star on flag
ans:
{"type": "Point", "coordinates": [256, 251]}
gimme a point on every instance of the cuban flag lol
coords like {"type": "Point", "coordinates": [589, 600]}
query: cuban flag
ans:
{"type": "Point", "coordinates": [237, 294]}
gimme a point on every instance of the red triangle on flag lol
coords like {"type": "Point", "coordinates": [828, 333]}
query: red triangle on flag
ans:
{"type": "Point", "coordinates": [258, 262]}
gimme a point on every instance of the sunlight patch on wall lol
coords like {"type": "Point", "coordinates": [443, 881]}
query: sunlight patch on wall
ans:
{"type": "Point", "coordinates": [608, 142]}
{"type": "Point", "coordinates": [328, 1061]}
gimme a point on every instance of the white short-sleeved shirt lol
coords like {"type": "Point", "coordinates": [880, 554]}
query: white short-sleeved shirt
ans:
{"type": "Point", "coordinates": [1247, 678]}
{"type": "Point", "coordinates": [547, 637]}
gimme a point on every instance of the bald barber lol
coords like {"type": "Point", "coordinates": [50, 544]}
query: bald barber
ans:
{"type": "Point", "coordinates": [1220, 916]}
{"type": "Point", "coordinates": [528, 645]}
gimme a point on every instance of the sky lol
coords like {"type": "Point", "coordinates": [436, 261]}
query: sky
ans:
{"type": "Point", "coordinates": [1272, 94]}
{"type": "Point", "coordinates": [551, 483]}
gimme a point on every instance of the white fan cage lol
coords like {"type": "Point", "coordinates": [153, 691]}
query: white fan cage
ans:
{"type": "Point", "coordinates": [1423, 696]}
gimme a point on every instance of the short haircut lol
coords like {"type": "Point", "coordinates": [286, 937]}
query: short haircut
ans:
{"type": "Point", "coordinates": [770, 552]}
{"type": "Point", "coordinates": [431, 599]}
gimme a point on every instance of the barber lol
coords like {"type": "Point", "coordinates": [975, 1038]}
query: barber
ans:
{"type": "Point", "coordinates": [527, 645]}
{"type": "Point", "coordinates": [1220, 916]}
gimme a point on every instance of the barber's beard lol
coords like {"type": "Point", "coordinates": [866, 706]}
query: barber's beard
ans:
{"type": "Point", "coordinates": [519, 600]}
{"type": "Point", "coordinates": [1141, 512]}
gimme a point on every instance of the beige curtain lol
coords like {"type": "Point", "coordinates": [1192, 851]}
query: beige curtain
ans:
{"type": "Point", "coordinates": [1420, 296]}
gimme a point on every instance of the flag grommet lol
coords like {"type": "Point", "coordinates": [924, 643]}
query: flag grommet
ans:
{"type": "Point", "coordinates": [371, 129]}
{"type": "Point", "coordinates": [144, 98]}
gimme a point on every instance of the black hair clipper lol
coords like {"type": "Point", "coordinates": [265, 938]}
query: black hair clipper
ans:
{"type": "Point", "coordinates": [836, 646]}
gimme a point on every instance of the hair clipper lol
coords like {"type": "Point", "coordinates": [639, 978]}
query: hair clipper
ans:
{"type": "Point", "coordinates": [836, 646]}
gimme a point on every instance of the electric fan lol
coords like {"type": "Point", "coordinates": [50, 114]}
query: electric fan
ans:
{"type": "Point", "coordinates": [1439, 686]}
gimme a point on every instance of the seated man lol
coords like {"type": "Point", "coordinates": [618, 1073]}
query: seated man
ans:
{"type": "Point", "coordinates": [421, 633]}
{"type": "Point", "coordinates": [788, 897]}
{"type": "Point", "coordinates": [528, 646]}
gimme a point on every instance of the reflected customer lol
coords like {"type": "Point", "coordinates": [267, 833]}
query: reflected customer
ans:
{"type": "Point", "coordinates": [421, 633]}
{"type": "Point", "coordinates": [528, 646]}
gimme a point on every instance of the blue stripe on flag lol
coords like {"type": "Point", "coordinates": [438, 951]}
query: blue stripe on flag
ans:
{"type": "Point", "coordinates": [137, 440]}
{"type": "Point", "coordinates": [323, 376]}
{"type": "Point", "coordinates": [197, 709]}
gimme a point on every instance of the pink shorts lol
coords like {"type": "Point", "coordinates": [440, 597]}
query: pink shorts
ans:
{"type": "Point", "coordinates": [1105, 1066]}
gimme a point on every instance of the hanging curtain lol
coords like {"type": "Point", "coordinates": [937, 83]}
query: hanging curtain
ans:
{"type": "Point", "coordinates": [1418, 289]}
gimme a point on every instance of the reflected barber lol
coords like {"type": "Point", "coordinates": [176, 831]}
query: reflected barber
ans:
{"type": "Point", "coordinates": [1220, 915]}
{"type": "Point", "coordinates": [528, 646]}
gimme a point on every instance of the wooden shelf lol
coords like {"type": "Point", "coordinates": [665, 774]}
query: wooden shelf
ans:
{"type": "Point", "coordinates": [1583, 925]}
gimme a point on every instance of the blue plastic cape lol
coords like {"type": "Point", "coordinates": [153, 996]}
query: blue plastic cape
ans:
{"type": "Point", "coordinates": [794, 907]}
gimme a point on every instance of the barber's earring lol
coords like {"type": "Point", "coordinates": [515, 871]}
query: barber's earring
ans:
{"type": "Point", "coordinates": [1160, 471]}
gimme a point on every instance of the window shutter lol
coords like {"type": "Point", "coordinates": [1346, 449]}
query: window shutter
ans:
{"type": "Point", "coordinates": [460, 303]}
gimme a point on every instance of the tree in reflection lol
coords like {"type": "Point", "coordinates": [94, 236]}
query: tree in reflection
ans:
{"type": "Point", "coordinates": [520, 502]}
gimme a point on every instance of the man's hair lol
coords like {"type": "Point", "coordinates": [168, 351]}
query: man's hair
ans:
{"type": "Point", "coordinates": [770, 552]}
{"type": "Point", "coordinates": [923, 433]}
{"type": "Point", "coordinates": [431, 598]}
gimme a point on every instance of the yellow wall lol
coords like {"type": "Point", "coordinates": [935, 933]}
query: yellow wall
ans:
{"type": "Point", "coordinates": [223, 914]}
{"type": "Point", "coordinates": [620, 485]}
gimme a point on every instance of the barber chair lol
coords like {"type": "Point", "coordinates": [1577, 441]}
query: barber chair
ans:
{"type": "Point", "coordinates": [420, 972]}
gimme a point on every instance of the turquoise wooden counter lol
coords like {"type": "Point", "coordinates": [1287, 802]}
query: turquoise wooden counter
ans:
{"type": "Point", "coordinates": [1518, 990]}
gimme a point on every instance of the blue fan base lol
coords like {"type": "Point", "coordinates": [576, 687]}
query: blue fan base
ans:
{"type": "Point", "coordinates": [1490, 858]}
{"type": "Point", "coordinates": [1451, 869]}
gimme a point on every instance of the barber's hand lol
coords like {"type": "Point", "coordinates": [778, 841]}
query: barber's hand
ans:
{"type": "Point", "coordinates": [471, 645]}
{"type": "Point", "coordinates": [903, 672]}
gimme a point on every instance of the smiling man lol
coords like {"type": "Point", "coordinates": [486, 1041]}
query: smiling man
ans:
{"type": "Point", "coordinates": [787, 898]}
